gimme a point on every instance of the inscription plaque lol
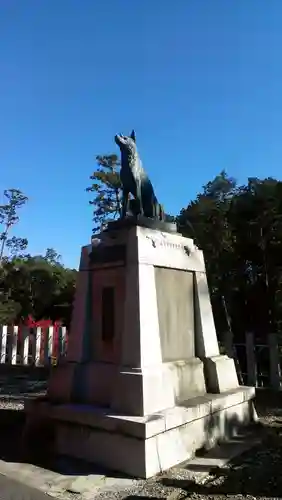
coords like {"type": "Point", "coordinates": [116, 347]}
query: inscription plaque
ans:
{"type": "Point", "coordinates": [110, 254]}
{"type": "Point", "coordinates": [175, 297]}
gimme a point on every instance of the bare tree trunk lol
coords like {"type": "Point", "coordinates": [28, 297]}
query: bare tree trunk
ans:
{"type": "Point", "coordinates": [3, 242]}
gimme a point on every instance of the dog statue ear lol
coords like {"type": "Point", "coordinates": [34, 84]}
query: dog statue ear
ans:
{"type": "Point", "coordinates": [133, 136]}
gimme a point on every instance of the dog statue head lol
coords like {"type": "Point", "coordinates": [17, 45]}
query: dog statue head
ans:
{"type": "Point", "coordinates": [127, 144]}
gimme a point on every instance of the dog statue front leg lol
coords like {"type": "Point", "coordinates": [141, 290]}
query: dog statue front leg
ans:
{"type": "Point", "coordinates": [125, 195]}
{"type": "Point", "coordinates": [139, 197]}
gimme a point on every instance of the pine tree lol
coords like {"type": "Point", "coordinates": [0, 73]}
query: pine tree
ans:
{"type": "Point", "coordinates": [106, 187]}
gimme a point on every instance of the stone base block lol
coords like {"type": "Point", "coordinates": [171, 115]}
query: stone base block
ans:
{"type": "Point", "coordinates": [133, 391]}
{"type": "Point", "coordinates": [220, 373]}
{"type": "Point", "coordinates": [143, 446]}
{"type": "Point", "coordinates": [86, 383]}
{"type": "Point", "coordinates": [152, 389]}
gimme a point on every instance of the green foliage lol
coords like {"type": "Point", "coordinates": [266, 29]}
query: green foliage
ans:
{"type": "Point", "coordinates": [52, 256]}
{"type": "Point", "coordinates": [15, 199]}
{"type": "Point", "coordinates": [239, 229]}
{"type": "Point", "coordinates": [16, 246]}
{"type": "Point", "coordinates": [38, 287]}
{"type": "Point", "coordinates": [106, 188]}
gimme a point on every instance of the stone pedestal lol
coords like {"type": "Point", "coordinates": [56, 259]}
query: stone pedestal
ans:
{"type": "Point", "coordinates": [143, 385]}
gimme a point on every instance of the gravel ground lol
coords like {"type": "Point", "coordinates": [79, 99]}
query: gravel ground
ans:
{"type": "Point", "coordinates": [17, 384]}
{"type": "Point", "coordinates": [256, 474]}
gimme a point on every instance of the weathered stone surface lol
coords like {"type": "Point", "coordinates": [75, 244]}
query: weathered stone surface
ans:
{"type": "Point", "coordinates": [176, 317]}
{"type": "Point", "coordinates": [221, 374]}
{"type": "Point", "coordinates": [145, 446]}
{"type": "Point", "coordinates": [144, 388]}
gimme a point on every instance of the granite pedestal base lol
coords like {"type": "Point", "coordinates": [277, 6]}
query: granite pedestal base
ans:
{"type": "Point", "coordinates": [144, 446]}
{"type": "Point", "coordinates": [143, 385]}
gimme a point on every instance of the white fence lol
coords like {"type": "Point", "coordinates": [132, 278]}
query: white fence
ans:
{"type": "Point", "coordinates": [258, 364]}
{"type": "Point", "coordinates": [32, 346]}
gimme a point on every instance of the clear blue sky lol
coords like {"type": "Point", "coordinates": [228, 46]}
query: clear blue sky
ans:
{"type": "Point", "coordinates": [199, 80]}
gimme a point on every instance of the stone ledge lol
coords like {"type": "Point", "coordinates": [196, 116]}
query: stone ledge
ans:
{"type": "Point", "coordinates": [131, 221]}
{"type": "Point", "coordinates": [220, 373]}
{"type": "Point", "coordinates": [141, 427]}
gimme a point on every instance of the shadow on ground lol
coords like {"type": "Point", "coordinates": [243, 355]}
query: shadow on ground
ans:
{"type": "Point", "coordinates": [16, 384]}
{"type": "Point", "coordinates": [12, 447]}
{"type": "Point", "coordinates": [256, 473]}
